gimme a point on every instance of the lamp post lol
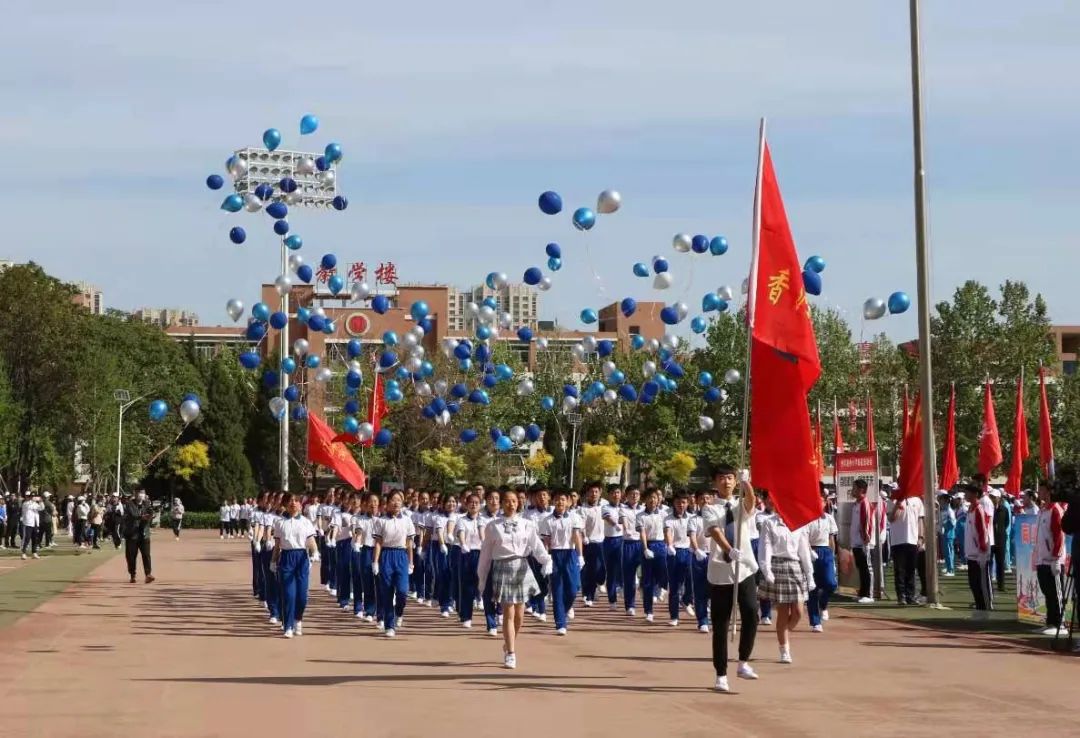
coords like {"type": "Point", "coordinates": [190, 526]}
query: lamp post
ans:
{"type": "Point", "coordinates": [314, 190]}
{"type": "Point", "coordinates": [123, 397]}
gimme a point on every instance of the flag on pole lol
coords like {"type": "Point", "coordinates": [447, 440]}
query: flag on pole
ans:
{"type": "Point", "coordinates": [784, 362]}
{"type": "Point", "coordinates": [904, 418]}
{"type": "Point", "coordinates": [837, 432]}
{"type": "Point", "coordinates": [819, 442]}
{"type": "Point", "coordinates": [989, 440]}
{"type": "Point", "coordinates": [1020, 448]}
{"type": "Point", "coordinates": [1046, 437]}
{"type": "Point", "coordinates": [871, 442]}
{"type": "Point", "coordinates": [911, 456]}
{"type": "Point", "coordinates": [950, 467]}
{"type": "Point", "coordinates": [323, 449]}
{"type": "Point", "coordinates": [377, 409]}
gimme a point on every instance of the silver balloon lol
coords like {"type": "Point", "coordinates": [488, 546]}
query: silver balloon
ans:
{"type": "Point", "coordinates": [417, 332]}
{"type": "Point", "coordinates": [494, 334]}
{"type": "Point", "coordinates": [608, 202]}
{"type": "Point", "coordinates": [670, 341]}
{"type": "Point", "coordinates": [365, 432]}
{"type": "Point", "coordinates": [237, 167]}
{"type": "Point", "coordinates": [305, 165]}
{"type": "Point", "coordinates": [705, 422]}
{"type": "Point", "coordinates": [295, 262]}
{"type": "Point", "coordinates": [569, 404]}
{"type": "Point", "coordinates": [542, 344]}
{"type": "Point", "coordinates": [506, 320]}
{"type": "Point", "coordinates": [607, 368]}
{"type": "Point", "coordinates": [278, 406]}
{"type": "Point", "coordinates": [682, 310]}
{"type": "Point", "coordinates": [589, 342]}
{"type": "Point", "coordinates": [355, 366]}
{"type": "Point", "coordinates": [682, 243]}
{"type": "Point", "coordinates": [291, 198]}
{"type": "Point", "coordinates": [487, 314]}
{"type": "Point", "coordinates": [252, 203]}
{"type": "Point", "coordinates": [500, 280]}
{"type": "Point", "coordinates": [648, 369]}
{"type": "Point", "coordinates": [874, 308]}
{"type": "Point", "coordinates": [323, 374]}
{"type": "Point", "coordinates": [359, 291]}
{"type": "Point", "coordinates": [610, 396]}
{"type": "Point", "coordinates": [283, 284]}
{"type": "Point", "coordinates": [441, 386]}
{"type": "Point", "coordinates": [408, 341]}
{"type": "Point", "coordinates": [746, 286]}
{"type": "Point", "coordinates": [544, 284]}
{"type": "Point", "coordinates": [417, 351]}
{"type": "Point", "coordinates": [235, 309]}
{"type": "Point", "coordinates": [319, 310]}
{"type": "Point", "coordinates": [472, 309]}
{"type": "Point", "coordinates": [578, 351]}
{"type": "Point", "coordinates": [423, 389]}
{"type": "Point", "coordinates": [526, 387]}
{"type": "Point", "coordinates": [663, 280]}
{"type": "Point", "coordinates": [725, 293]}
{"type": "Point", "coordinates": [731, 376]}
{"type": "Point", "coordinates": [327, 177]}
{"type": "Point", "coordinates": [189, 410]}
{"type": "Point", "coordinates": [652, 346]}
{"type": "Point", "coordinates": [300, 346]}
{"type": "Point", "coordinates": [412, 364]}
{"type": "Point", "coordinates": [516, 433]}
{"type": "Point", "coordinates": [443, 418]}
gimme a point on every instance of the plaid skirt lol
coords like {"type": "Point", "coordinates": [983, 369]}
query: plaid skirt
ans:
{"type": "Point", "coordinates": [512, 581]}
{"type": "Point", "coordinates": [789, 584]}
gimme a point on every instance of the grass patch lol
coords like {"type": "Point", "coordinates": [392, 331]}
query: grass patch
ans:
{"type": "Point", "coordinates": [33, 582]}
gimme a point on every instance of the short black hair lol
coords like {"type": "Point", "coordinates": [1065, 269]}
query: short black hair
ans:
{"type": "Point", "coordinates": [681, 495]}
{"type": "Point", "coordinates": [560, 493]}
{"type": "Point", "coordinates": [860, 484]}
{"type": "Point", "coordinates": [723, 468]}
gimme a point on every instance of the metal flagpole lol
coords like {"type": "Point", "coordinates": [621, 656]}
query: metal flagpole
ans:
{"type": "Point", "coordinates": [922, 268]}
{"type": "Point", "coordinates": [751, 298]}
{"type": "Point", "coordinates": [283, 423]}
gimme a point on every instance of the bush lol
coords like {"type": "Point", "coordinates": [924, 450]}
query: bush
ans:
{"type": "Point", "coordinates": [194, 520]}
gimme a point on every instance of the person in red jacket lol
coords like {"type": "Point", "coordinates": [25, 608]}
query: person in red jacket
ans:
{"type": "Point", "coordinates": [1049, 556]}
{"type": "Point", "coordinates": [977, 542]}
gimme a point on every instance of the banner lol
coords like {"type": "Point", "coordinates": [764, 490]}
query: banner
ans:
{"type": "Point", "coordinates": [851, 466]}
{"type": "Point", "coordinates": [1030, 603]}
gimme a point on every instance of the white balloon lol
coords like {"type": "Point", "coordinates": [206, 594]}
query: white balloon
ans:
{"type": "Point", "coordinates": [682, 310]}
{"type": "Point", "coordinates": [569, 404]}
{"type": "Point", "coordinates": [300, 346]}
{"type": "Point", "coordinates": [608, 202]}
{"type": "Point", "coordinates": [544, 284]}
{"type": "Point", "coordinates": [487, 314]}
{"type": "Point", "coordinates": [472, 309]}
{"type": "Point", "coordinates": [500, 280]}
{"type": "Point", "coordinates": [506, 320]}
{"type": "Point", "coordinates": [235, 309]}
{"type": "Point", "coordinates": [306, 165]}
{"type": "Point", "coordinates": [278, 406]}
{"type": "Point", "coordinates": [283, 284]}
{"type": "Point", "coordinates": [412, 364]}
{"type": "Point", "coordinates": [731, 376]}
{"type": "Point", "coordinates": [682, 243]}
{"type": "Point", "coordinates": [295, 262]}
{"type": "Point", "coordinates": [663, 280]}
{"type": "Point", "coordinates": [417, 332]}
{"type": "Point", "coordinates": [516, 433]}
{"type": "Point", "coordinates": [526, 387]}
{"type": "Point", "coordinates": [610, 396]}
{"type": "Point", "coordinates": [542, 344]}
{"type": "Point", "coordinates": [408, 341]}
{"type": "Point", "coordinates": [725, 293]}
{"type": "Point", "coordinates": [417, 351]}
{"type": "Point", "coordinates": [252, 203]}
{"type": "Point", "coordinates": [359, 291]}
{"type": "Point", "coordinates": [189, 410]}
{"type": "Point", "coordinates": [652, 346]}
{"type": "Point", "coordinates": [670, 341]}
{"type": "Point", "coordinates": [365, 432]}
{"type": "Point", "coordinates": [607, 368]}
{"type": "Point", "coordinates": [355, 366]}
{"type": "Point", "coordinates": [648, 369]}
{"type": "Point", "coordinates": [443, 418]}
{"type": "Point", "coordinates": [423, 389]}
{"type": "Point", "coordinates": [578, 351]}
{"type": "Point", "coordinates": [705, 422]}
{"type": "Point", "coordinates": [589, 343]}
{"type": "Point", "coordinates": [323, 374]}
{"type": "Point", "coordinates": [319, 310]}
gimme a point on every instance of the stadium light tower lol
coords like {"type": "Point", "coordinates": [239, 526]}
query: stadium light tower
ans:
{"type": "Point", "coordinates": [314, 190]}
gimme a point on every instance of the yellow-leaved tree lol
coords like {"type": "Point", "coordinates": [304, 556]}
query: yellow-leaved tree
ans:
{"type": "Point", "coordinates": [537, 466]}
{"type": "Point", "coordinates": [444, 463]}
{"type": "Point", "coordinates": [190, 459]}
{"type": "Point", "coordinates": [677, 469]}
{"type": "Point", "coordinates": [599, 460]}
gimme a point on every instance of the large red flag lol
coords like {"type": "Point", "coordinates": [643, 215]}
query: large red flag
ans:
{"type": "Point", "coordinates": [784, 362]}
{"type": "Point", "coordinates": [1046, 438]}
{"type": "Point", "coordinates": [989, 440]}
{"type": "Point", "coordinates": [950, 467]}
{"type": "Point", "coordinates": [322, 449]}
{"type": "Point", "coordinates": [871, 442]}
{"type": "Point", "coordinates": [377, 409]}
{"type": "Point", "coordinates": [912, 461]}
{"type": "Point", "coordinates": [1020, 448]}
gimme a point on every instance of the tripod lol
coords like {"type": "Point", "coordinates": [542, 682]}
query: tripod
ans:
{"type": "Point", "coordinates": [1065, 643]}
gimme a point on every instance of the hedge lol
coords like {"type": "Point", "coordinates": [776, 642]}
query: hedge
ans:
{"type": "Point", "coordinates": [194, 521]}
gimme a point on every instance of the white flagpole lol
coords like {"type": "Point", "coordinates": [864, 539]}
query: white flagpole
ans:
{"type": "Point", "coordinates": [751, 301]}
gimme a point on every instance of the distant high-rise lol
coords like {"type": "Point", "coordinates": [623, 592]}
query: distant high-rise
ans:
{"type": "Point", "coordinates": [166, 317]}
{"type": "Point", "coordinates": [89, 297]}
{"type": "Point", "coordinates": [520, 301]}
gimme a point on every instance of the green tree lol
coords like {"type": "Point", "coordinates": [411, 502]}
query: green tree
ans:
{"type": "Point", "coordinates": [445, 464]}
{"type": "Point", "coordinates": [226, 415]}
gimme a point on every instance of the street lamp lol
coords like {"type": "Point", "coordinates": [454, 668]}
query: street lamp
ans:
{"type": "Point", "coordinates": [314, 189]}
{"type": "Point", "coordinates": [123, 397]}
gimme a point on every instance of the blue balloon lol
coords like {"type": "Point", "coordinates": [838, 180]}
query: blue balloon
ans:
{"type": "Point", "coordinates": [491, 302]}
{"type": "Point", "coordinates": [504, 443]}
{"type": "Point", "coordinates": [294, 241]}
{"type": "Point", "coordinates": [628, 306]}
{"type": "Point", "coordinates": [479, 397]}
{"type": "Point", "coordinates": [468, 435]}
{"type": "Point", "coordinates": [215, 181]}
{"type": "Point", "coordinates": [495, 434]}
{"type": "Point", "coordinates": [340, 202]}
{"type": "Point", "coordinates": [158, 410]}
{"type": "Point", "coordinates": [390, 338]}
{"type": "Point", "coordinates": [570, 390]}
{"type": "Point", "coordinates": [490, 380]}
{"type": "Point", "coordinates": [281, 227]}
{"type": "Point", "coordinates": [640, 270]}
{"type": "Point", "coordinates": [463, 350]}
{"type": "Point", "coordinates": [524, 333]}
{"type": "Point", "coordinates": [260, 311]}
{"type": "Point", "coordinates": [709, 302]}
{"type": "Point", "coordinates": [698, 324]}
{"type": "Point", "coordinates": [388, 359]}
{"type": "Point", "coordinates": [553, 250]}
{"type": "Point", "coordinates": [588, 315]}
{"type": "Point", "coordinates": [637, 342]}
{"type": "Point", "coordinates": [380, 304]}
{"type": "Point", "coordinates": [482, 353]}
{"type": "Point", "coordinates": [722, 307]}
{"type": "Point", "coordinates": [550, 203]}
{"type": "Point", "coordinates": [395, 396]}
{"type": "Point", "coordinates": [584, 219]}
{"type": "Point", "coordinates": [277, 210]}
{"type": "Point", "coordinates": [605, 347]}
{"type": "Point", "coordinates": [193, 397]}
{"type": "Point", "coordinates": [674, 369]}
{"type": "Point", "coordinates": [718, 246]}
{"type": "Point", "coordinates": [354, 348]}
{"type": "Point", "coordinates": [483, 332]}
{"type": "Point", "coordinates": [899, 302]}
{"type": "Point", "coordinates": [665, 355]}
{"type": "Point", "coordinates": [393, 384]}
{"type": "Point", "coordinates": [350, 392]}
{"type": "Point", "coordinates": [328, 261]}
{"type": "Point", "coordinates": [419, 310]}
{"type": "Point", "coordinates": [628, 392]}
{"type": "Point", "coordinates": [503, 372]}
{"type": "Point", "coordinates": [660, 265]}
{"type": "Point", "coordinates": [427, 325]}
{"type": "Point", "coordinates": [548, 403]}
{"type": "Point", "coordinates": [453, 408]}
{"type": "Point", "coordinates": [533, 432]}
{"type": "Point", "coordinates": [299, 413]}
{"type": "Point", "coordinates": [264, 192]}
{"type": "Point", "coordinates": [811, 282]}
{"type": "Point", "coordinates": [303, 315]}
{"type": "Point", "coordinates": [350, 425]}
{"type": "Point", "coordinates": [271, 138]}
{"type": "Point", "coordinates": [336, 283]}
{"type": "Point", "coordinates": [288, 365]}
{"type": "Point", "coordinates": [312, 361]}
{"type": "Point", "coordinates": [815, 264]}
{"type": "Point", "coordinates": [352, 407]}
{"type": "Point", "coordinates": [279, 320]}
{"type": "Point", "coordinates": [332, 152]}
{"type": "Point", "coordinates": [489, 280]}
{"type": "Point", "coordinates": [428, 412]}
{"type": "Point", "coordinates": [305, 273]}
{"type": "Point", "coordinates": [554, 263]}
{"type": "Point", "coordinates": [317, 323]}
{"type": "Point", "coordinates": [237, 235]}
{"type": "Point", "coordinates": [699, 244]}
{"type": "Point", "coordinates": [287, 184]}
{"type": "Point", "coordinates": [321, 163]}
{"type": "Point", "coordinates": [459, 390]}
{"type": "Point", "coordinates": [704, 379]}
{"type": "Point", "coordinates": [712, 394]}
{"type": "Point", "coordinates": [233, 203]}
{"type": "Point", "coordinates": [532, 276]}
{"type": "Point", "coordinates": [438, 404]}
{"type": "Point", "coordinates": [354, 379]}
{"type": "Point", "coordinates": [426, 368]}
{"type": "Point", "coordinates": [250, 360]}
{"type": "Point", "coordinates": [308, 124]}
{"type": "Point", "coordinates": [292, 393]}
{"type": "Point", "coordinates": [383, 438]}
{"type": "Point", "coordinates": [669, 315]}
{"type": "Point", "coordinates": [616, 377]}
{"type": "Point", "coordinates": [650, 389]}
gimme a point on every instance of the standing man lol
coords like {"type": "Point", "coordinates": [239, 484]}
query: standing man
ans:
{"type": "Point", "coordinates": [862, 541]}
{"type": "Point", "coordinates": [978, 540]}
{"type": "Point", "coordinates": [14, 520]}
{"type": "Point", "coordinates": [138, 513]}
{"type": "Point", "coordinates": [1049, 556]}
{"type": "Point", "coordinates": [48, 518]}
{"type": "Point", "coordinates": [31, 519]}
{"type": "Point", "coordinates": [906, 538]}
{"type": "Point", "coordinates": [82, 517]}
{"type": "Point", "coordinates": [592, 576]}
{"type": "Point", "coordinates": [177, 517]}
{"type": "Point", "coordinates": [1002, 523]}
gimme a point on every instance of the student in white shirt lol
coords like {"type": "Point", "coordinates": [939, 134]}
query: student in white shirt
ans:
{"type": "Point", "coordinates": [269, 593]}
{"type": "Point", "coordinates": [393, 562]}
{"type": "Point", "coordinates": [423, 581]}
{"type": "Point", "coordinates": [650, 527]}
{"type": "Point", "coordinates": [561, 532]}
{"type": "Point", "coordinates": [540, 507]}
{"type": "Point", "coordinates": [905, 539]}
{"type": "Point", "coordinates": [612, 545]}
{"type": "Point", "coordinates": [699, 566]}
{"type": "Point", "coordinates": [821, 535]}
{"type": "Point", "coordinates": [978, 540]}
{"type": "Point", "coordinates": [508, 544]}
{"type": "Point", "coordinates": [1049, 556]}
{"type": "Point", "coordinates": [862, 540]}
{"type": "Point", "coordinates": [784, 557]}
{"type": "Point", "coordinates": [468, 532]}
{"type": "Point", "coordinates": [593, 574]}
{"type": "Point", "coordinates": [365, 605]}
{"type": "Point", "coordinates": [177, 517]}
{"type": "Point", "coordinates": [631, 548]}
{"type": "Point", "coordinates": [223, 519]}
{"type": "Point", "coordinates": [31, 518]}
{"type": "Point", "coordinates": [245, 517]}
{"type": "Point", "coordinates": [294, 551]}
{"type": "Point", "coordinates": [328, 548]}
{"type": "Point", "coordinates": [454, 559]}
{"type": "Point", "coordinates": [679, 548]}
{"type": "Point", "coordinates": [341, 534]}
{"type": "Point", "coordinates": [438, 551]}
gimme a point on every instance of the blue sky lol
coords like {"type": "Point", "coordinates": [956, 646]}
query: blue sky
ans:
{"type": "Point", "coordinates": [455, 116]}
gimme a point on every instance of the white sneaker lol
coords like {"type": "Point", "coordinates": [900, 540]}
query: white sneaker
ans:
{"type": "Point", "coordinates": [381, 627]}
{"type": "Point", "coordinates": [510, 662]}
{"type": "Point", "coordinates": [390, 633]}
{"type": "Point", "coordinates": [766, 621]}
{"type": "Point", "coordinates": [630, 612]}
{"type": "Point", "coordinates": [746, 672]}
{"type": "Point", "coordinates": [560, 631]}
{"type": "Point", "coordinates": [493, 632]}
{"type": "Point", "coordinates": [816, 629]}
{"type": "Point", "coordinates": [1050, 631]}
{"type": "Point", "coordinates": [401, 622]}
{"type": "Point", "coordinates": [785, 655]}
{"type": "Point", "coordinates": [452, 610]}
{"type": "Point", "coordinates": [299, 628]}
{"type": "Point", "coordinates": [444, 614]}
{"type": "Point", "coordinates": [721, 684]}
{"type": "Point", "coordinates": [613, 606]}
{"type": "Point", "coordinates": [542, 617]}
{"type": "Point", "coordinates": [500, 620]}
{"type": "Point", "coordinates": [36, 556]}
{"type": "Point", "coordinates": [602, 589]}
{"type": "Point", "coordinates": [648, 617]}
{"type": "Point", "coordinates": [412, 596]}
{"type": "Point", "coordinates": [703, 629]}
{"type": "Point", "coordinates": [570, 613]}
{"type": "Point", "coordinates": [690, 611]}
{"type": "Point", "coordinates": [588, 603]}
{"type": "Point", "coordinates": [824, 616]}
{"type": "Point", "coordinates": [346, 606]}
{"type": "Point", "coordinates": [673, 623]}
{"type": "Point", "coordinates": [360, 615]}
{"type": "Point", "coordinates": [866, 600]}
{"type": "Point", "coordinates": [467, 624]}
{"type": "Point", "coordinates": [949, 574]}
{"type": "Point", "coordinates": [528, 610]}
{"type": "Point", "coordinates": [275, 621]}
{"type": "Point", "coordinates": [663, 595]}
{"type": "Point", "coordinates": [333, 593]}
{"type": "Point", "coordinates": [369, 618]}
{"type": "Point", "coordinates": [288, 634]}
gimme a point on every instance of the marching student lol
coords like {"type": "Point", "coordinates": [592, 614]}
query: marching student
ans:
{"type": "Point", "coordinates": [31, 517]}
{"type": "Point", "coordinates": [467, 536]}
{"type": "Point", "coordinates": [257, 586]}
{"type": "Point", "coordinates": [365, 605]}
{"type": "Point", "coordinates": [270, 592]}
{"type": "Point", "coordinates": [294, 552]}
{"type": "Point", "coordinates": [455, 552]}
{"type": "Point", "coordinates": [393, 562]}
{"type": "Point", "coordinates": [561, 531]}
{"type": "Point", "coordinates": [949, 507]}
{"type": "Point", "coordinates": [534, 513]}
{"type": "Point", "coordinates": [223, 519]}
{"type": "Point", "coordinates": [1049, 556]}
{"type": "Point", "coordinates": [245, 517]}
{"type": "Point", "coordinates": [650, 526]}
{"type": "Point", "coordinates": [677, 546]}
{"type": "Point", "coordinates": [422, 580]}
{"type": "Point", "coordinates": [508, 544]}
{"type": "Point", "coordinates": [631, 548]}
{"type": "Point", "coordinates": [328, 547]}
{"type": "Point", "coordinates": [593, 573]}
{"type": "Point", "coordinates": [821, 536]}
{"type": "Point", "coordinates": [731, 564]}
{"type": "Point", "coordinates": [439, 552]}
{"type": "Point", "coordinates": [613, 544]}
{"type": "Point", "coordinates": [492, 609]}
{"type": "Point", "coordinates": [784, 557]}
{"type": "Point", "coordinates": [699, 565]}
{"type": "Point", "coordinates": [341, 534]}
{"type": "Point", "coordinates": [978, 539]}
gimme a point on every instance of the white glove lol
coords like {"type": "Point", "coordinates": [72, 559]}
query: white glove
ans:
{"type": "Point", "coordinates": [357, 547]}
{"type": "Point", "coordinates": [1055, 568]}
{"type": "Point", "coordinates": [375, 568]}
{"type": "Point", "coordinates": [813, 555]}
{"type": "Point", "coordinates": [465, 548]}
{"type": "Point", "coordinates": [701, 554]}
{"type": "Point", "coordinates": [810, 584]}
{"type": "Point", "coordinates": [443, 549]}
{"type": "Point", "coordinates": [649, 554]}
{"type": "Point", "coordinates": [273, 567]}
{"type": "Point", "coordinates": [546, 569]}
{"type": "Point", "coordinates": [411, 568]}
{"type": "Point", "coordinates": [744, 476]}
{"type": "Point", "coordinates": [770, 577]}
{"type": "Point", "coordinates": [670, 550]}
{"type": "Point", "coordinates": [581, 562]}
{"type": "Point", "coordinates": [258, 546]}
{"type": "Point", "coordinates": [315, 558]}
{"type": "Point", "coordinates": [733, 554]}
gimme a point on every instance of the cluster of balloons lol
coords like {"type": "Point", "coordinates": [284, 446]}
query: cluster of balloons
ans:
{"type": "Point", "coordinates": [875, 307]}
{"type": "Point", "coordinates": [190, 408]}
{"type": "Point", "coordinates": [811, 275]}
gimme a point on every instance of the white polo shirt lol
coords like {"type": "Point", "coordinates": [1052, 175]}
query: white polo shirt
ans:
{"type": "Point", "coordinates": [594, 522]}
{"type": "Point", "coordinates": [628, 521]}
{"type": "Point", "coordinates": [293, 533]}
{"type": "Point", "coordinates": [680, 529]}
{"type": "Point", "coordinates": [559, 529]}
{"type": "Point", "coordinates": [471, 528]}
{"type": "Point", "coordinates": [818, 531]}
{"type": "Point", "coordinates": [393, 532]}
{"type": "Point", "coordinates": [721, 571]}
{"type": "Point", "coordinates": [364, 526]}
{"type": "Point", "coordinates": [342, 522]}
{"type": "Point", "coordinates": [652, 524]}
{"type": "Point", "coordinates": [612, 518]}
{"type": "Point", "coordinates": [906, 528]}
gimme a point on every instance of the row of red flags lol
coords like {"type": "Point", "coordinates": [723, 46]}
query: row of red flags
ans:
{"type": "Point", "coordinates": [328, 449]}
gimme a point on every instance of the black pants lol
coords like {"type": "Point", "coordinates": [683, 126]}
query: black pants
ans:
{"type": "Point", "coordinates": [866, 580]}
{"type": "Point", "coordinates": [979, 582]}
{"type": "Point", "coordinates": [79, 534]}
{"type": "Point", "coordinates": [176, 523]}
{"type": "Point", "coordinates": [920, 568]}
{"type": "Point", "coordinates": [12, 531]}
{"type": "Point", "coordinates": [720, 599]}
{"type": "Point", "coordinates": [30, 538]}
{"type": "Point", "coordinates": [1051, 589]}
{"type": "Point", "coordinates": [903, 557]}
{"type": "Point", "coordinates": [46, 533]}
{"type": "Point", "coordinates": [998, 550]}
{"type": "Point", "coordinates": [132, 548]}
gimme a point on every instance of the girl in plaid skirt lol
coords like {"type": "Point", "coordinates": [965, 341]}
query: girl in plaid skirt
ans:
{"type": "Point", "coordinates": [788, 576]}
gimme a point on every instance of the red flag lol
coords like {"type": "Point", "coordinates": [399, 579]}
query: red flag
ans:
{"type": "Point", "coordinates": [377, 409]}
{"type": "Point", "coordinates": [784, 361]}
{"type": "Point", "coordinates": [1020, 448]}
{"type": "Point", "coordinates": [819, 443]}
{"type": "Point", "coordinates": [950, 467]}
{"type": "Point", "coordinates": [322, 449]}
{"type": "Point", "coordinates": [989, 441]}
{"type": "Point", "coordinates": [905, 419]}
{"type": "Point", "coordinates": [1046, 437]}
{"type": "Point", "coordinates": [912, 462]}
{"type": "Point", "coordinates": [837, 433]}
{"type": "Point", "coordinates": [871, 442]}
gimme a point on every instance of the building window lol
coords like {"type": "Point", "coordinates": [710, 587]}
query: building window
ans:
{"type": "Point", "coordinates": [635, 330]}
